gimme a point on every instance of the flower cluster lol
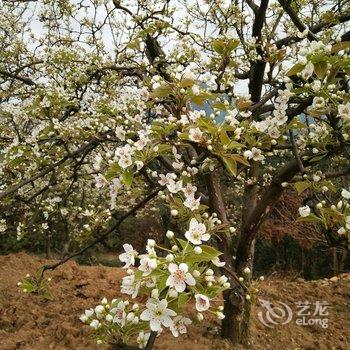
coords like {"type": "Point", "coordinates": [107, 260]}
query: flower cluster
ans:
{"type": "Point", "coordinates": [333, 216]}
{"type": "Point", "coordinates": [169, 278]}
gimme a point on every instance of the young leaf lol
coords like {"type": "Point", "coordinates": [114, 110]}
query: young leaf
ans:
{"type": "Point", "coordinates": [230, 164]}
{"type": "Point", "coordinates": [128, 177]}
{"type": "Point", "coordinates": [295, 69]}
{"type": "Point", "coordinates": [301, 186]}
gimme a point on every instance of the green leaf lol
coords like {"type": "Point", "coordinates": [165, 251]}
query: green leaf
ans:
{"type": "Point", "coordinates": [187, 82]}
{"type": "Point", "coordinates": [311, 218]}
{"type": "Point", "coordinates": [230, 164]}
{"type": "Point", "coordinates": [318, 158]}
{"type": "Point", "coordinates": [301, 186]}
{"type": "Point", "coordinates": [320, 69]}
{"type": "Point", "coordinates": [127, 177]}
{"type": "Point", "coordinates": [163, 148]}
{"type": "Point", "coordinates": [114, 170]}
{"type": "Point", "coordinates": [232, 44]}
{"type": "Point", "coordinates": [182, 300]}
{"type": "Point", "coordinates": [208, 254]}
{"type": "Point", "coordinates": [218, 46]}
{"type": "Point", "coordinates": [162, 91]}
{"type": "Point", "coordinates": [239, 159]}
{"type": "Point", "coordinates": [224, 138]}
{"type": "Point", "coordinates": [295, 69]}
{"type": "Point", "coordinates": [220, 106]}
{"type": "Point", "coordinates": [162, 283]}
{"type": "Point", "coordinates": [233, 145]}
{"type": "Point", "coordinates": [224, 46]}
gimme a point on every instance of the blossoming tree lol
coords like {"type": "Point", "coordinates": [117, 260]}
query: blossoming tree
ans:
{"type": "Point", "coordinates": [106, 102]}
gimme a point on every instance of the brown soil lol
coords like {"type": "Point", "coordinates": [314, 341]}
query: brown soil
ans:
{"type": "Point", "coordinates": [29, 322]}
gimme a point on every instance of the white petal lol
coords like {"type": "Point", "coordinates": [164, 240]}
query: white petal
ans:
{"type": "Point", "coordinates": [180, 286]}
{"type": "Point", "coordinates": [205, 237]}
{"type": "Point", "coordinates": [146, 315]}
{"type": "Point", "coordinates": [166, 321]}
{"type": "Point", "coordinates": [190, 280]}
{"type": "Point", "coordinates": [183, 267]}
{"type": "Point", "coordinates": [193, 223]}
{"type": "Point", "coordinates": [163, 304]}
{"type": "Point", "coordinates": [172, 267]}
{"type": "Point", "coordinates": [170, 281]}
{"type": "Point", "coordinates": [155, 325]}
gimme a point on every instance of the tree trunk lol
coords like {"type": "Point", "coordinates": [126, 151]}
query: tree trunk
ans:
{"type": "Point", "coordinates": [235, 325]}
{"type": "Point", "coordinates": [335, 267]}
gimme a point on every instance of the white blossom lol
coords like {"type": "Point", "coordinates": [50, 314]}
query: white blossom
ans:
{"type": "Point", "coordinates": [179, 277]}
{"type": "Point", "coordinates": [157, 314]}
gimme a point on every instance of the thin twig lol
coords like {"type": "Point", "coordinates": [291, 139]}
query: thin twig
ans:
{"type": "Point", "coordinates": [106, 233]}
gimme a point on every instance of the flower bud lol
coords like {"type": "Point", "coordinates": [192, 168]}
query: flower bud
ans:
{"type": "Point", "coordinates": [130, 316]}
{"type": "Point", "coordinates": [209, 278]}
{"type": "Point", "coordinates": [174, 212]}
{"type": "Point", "coordinates": [198, 250]}
{"type": "Point", "coordinates": [170, 234]}
{"type": "Point", "coordinates": [223, 279]}
{"type": "Point", "coordinates": [173, 293]}
{"type": "Point", "coordinates": [151, 243]}
{"type": "Point", "coordinates": [246, 271]}
{"type": "Point", "coordinates": [196, 273]}
{"type": "Point", "coordinates": [220, 315]}
{"type": "Point", "coordinates": [155, 293]}
{"type": "Point", "coordinates": [99, 309]}
{"type": "Point", "coordinates": [169, 258]}
{"type": "Point", "coordinates": [109, 318]}
{"type": "Point", "coordinates": [232, 229]}
{"type": "Point", "coordinates": [200, 317]}
{"type": "Point", "coordinates": [209, 272]}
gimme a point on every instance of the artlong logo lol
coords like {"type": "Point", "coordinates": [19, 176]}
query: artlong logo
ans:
{"type": "Point", "coordinates": [281, 313]}
{"type": "Point", "coordinates": [271, 315]}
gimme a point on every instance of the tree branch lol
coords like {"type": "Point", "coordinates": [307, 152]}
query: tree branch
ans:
{"type": "Point", "coordinates": [106, 233]}
{"type": "Point", "coordinates": [86, 147]}
{"type": "Point", "coordinates": [24, 80]}
{"type": "Point", "coordinates": [314, 29]}
{"type": "Point", "coordinates": [296, 20]}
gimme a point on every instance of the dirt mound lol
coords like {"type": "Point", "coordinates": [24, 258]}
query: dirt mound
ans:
{"type": "Point", "coordinates": [29, 322]}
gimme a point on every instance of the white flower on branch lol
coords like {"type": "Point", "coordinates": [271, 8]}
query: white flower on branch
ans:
{"type": "Point", "coordinates": [129, 256]}
{"type": "Point", "coordinates": [179, 325]}
{"type": "Point", "coordinates": [197, 232]}
{"type": "Point", "coordinates": [180, 277]}
{"type": "Point", "coordinates": [304, 211]}
{"type": "Point", "coordinates": [202, 302]}
{"type": "Point", "coordinates": [157, 314]}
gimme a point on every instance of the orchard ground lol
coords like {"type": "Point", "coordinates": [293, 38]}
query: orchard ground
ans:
{"type": "Point", "coordinates": [29, 322]}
